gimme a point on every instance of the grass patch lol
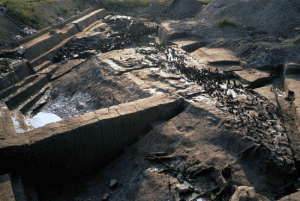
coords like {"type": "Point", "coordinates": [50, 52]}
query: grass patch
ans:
{"type": "Point", "coordinates": [80, 7]}
{"type": "Point", "coordinates": [225, 22]}
{"type": "Point", "coordinates": [205, 1]}
{"type": "Point", "coordinates": [294, 41]}
{"type": "Point", "coordinates": [24, 11]}
{"type": "Point", "coordinates": [63, 11]}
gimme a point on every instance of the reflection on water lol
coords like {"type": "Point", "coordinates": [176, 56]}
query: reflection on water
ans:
{"type": "Point", "coordinates": [18, 127]}
{"type": "Point", "coordinates": [42, 118]}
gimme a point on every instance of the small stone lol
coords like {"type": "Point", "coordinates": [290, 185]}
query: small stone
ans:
{"type": "Point", "coordinates": [106, 197]}
{"type": "Point", "coordinates": [180, 178]}
{"type": "Point", "coordinates": [181, 168]}
{"type": "Point", "coordinates": [60, 19]}
{"type": "Point", "coordinates": [182, 189]}
{"type": "Point", "coordinates": [244, 193]}
{"type": "Point", "coordinates": [187, 184]}
{"type": "Point", "coordinates": [113, 183]}
{"type": "Point", "coordinates": [16, 37]}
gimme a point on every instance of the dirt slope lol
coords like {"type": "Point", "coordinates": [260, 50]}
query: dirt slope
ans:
{"type": "Point", "coordinates": [273, 17]}
{"type": "Point", "coordinates": [7, 29]}
{"type": "Point", "coordinates": [278, 17]}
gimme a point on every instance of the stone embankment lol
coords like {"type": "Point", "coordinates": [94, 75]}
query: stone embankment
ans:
{"type": "Point", "coordinates": [70, 147]}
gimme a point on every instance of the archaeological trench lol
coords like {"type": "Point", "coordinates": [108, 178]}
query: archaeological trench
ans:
{"type": "Point", "coordinates": [174, 118]}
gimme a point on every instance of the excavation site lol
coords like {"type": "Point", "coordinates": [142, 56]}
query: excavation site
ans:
{"type": "Point", "coordinates": [183, 100]}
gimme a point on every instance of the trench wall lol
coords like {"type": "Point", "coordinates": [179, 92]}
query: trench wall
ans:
{"type": "Point", "coordinates": [85, 21]}
{"type": "Point", "coordinates": [56, 26]}
{"type": "Point", "coordinates": [49, 42]}
{"type": "Point", "coordinates": [80, 144]}
{"type": "Point", "coordinates": [37, 50]}
{"type": "Point", "coordinates": [21, 71]}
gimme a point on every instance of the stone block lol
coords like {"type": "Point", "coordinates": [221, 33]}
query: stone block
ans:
{"type": "Point", "coordinates": [6, 190]}
{"type": "Point", "coordinates": [64, 146]}
{"type": "Point", "coordinates": [110, 144]}
{"type": "Point", "coordinates": [132, 120]}
{"type": "Point", "coordinates": [44, 154]}
{"type": "Point", "coordinates": [244, 193]}
{"type": "Point", "coordinates": [150, 115]}
{"type": "Point", "coordinates": [292, 68]}
{"type": "Point", "coordinates": [120, 136]}
{"type": "Point", "coordinates": [170, 108]}
{"type": "Point", "coordinates": [130, 137]}
{"type": "Point", "coordinates": [127, 108]}
{"type": "Point", "coordinates": [91, 133]}
{"type": "Point", "coordinates": [85, 21]}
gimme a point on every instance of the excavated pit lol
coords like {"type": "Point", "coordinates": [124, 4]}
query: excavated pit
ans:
{"type": "Point", "coordinates": [94, 87]}
{"type": "Point", "coordinates": [255, 128]}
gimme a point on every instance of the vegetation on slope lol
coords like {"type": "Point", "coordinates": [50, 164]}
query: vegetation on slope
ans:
{"type": "Point", "coordinates": [24, 11]}
{"type": "Point", "coordinates": [225, 22]}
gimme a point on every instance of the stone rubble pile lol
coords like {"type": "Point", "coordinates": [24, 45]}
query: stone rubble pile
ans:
{"type": "Point", "coordinates": [123, 31]}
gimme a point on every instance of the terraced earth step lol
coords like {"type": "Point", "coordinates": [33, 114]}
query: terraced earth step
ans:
{"type": "Point", "coordinates": [21, 70]}
{"type": "Point", "coordinates": [267, 91]}
{"type": "Point", "coordinates": [215, 56]}
{"type": "Point", "coordinates": [49, 71]}
{"type": "Point", "coordinates": [48, 55]}
{"type": "Point", "coordinates": [254, 78]}
{"type": "Point", "coordinates": [7, 127]}
{"type": "Point", "coordinates": [10, 90]}
{"type": "Point", "coordinates": [66, 67]}
{"type": "Point", "coordinates": [42, 66]}
{"type": "Point", "coordinates": [33, 100]}
{"type": "Point", "coordinates": [26, 92]}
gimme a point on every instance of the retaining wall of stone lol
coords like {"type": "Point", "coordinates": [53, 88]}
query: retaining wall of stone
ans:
{"type": "Point", "coordinates": [49, 42]}
{"type": "Point", "coordinates": [56, 26]}
{"type": "Point", "coordinates": [6, 190]}
{"type": "Point", "coordinates": [46, 42]}
{"type": "Point", "coordinates": [75, 146]}
{"type": "Point", "coordinates": [87, 20]}
{"type": "Point", "coordinates": [21, 71]}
